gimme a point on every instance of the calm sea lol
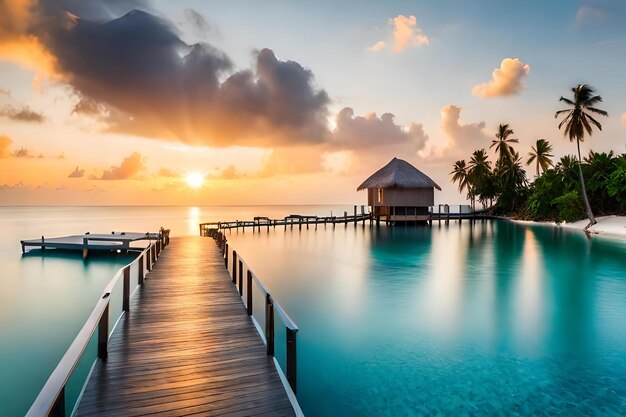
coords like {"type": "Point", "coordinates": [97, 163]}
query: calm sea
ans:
{"type": "Point", "coordinates": [45, 300]}
{"type": "Point", "coordinates": [486, 319]}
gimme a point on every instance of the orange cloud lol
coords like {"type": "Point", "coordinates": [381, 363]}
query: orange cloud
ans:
{"type": "Point", "coordinates": [462, 135]}
{"type": "Point", "coordinates": [77, 173]}
{"type": "Point", "coordinates": [130, 167]}
{"type": "Point", "coordinates": [377, 46]}
{"type": "Point", "coordinates": [405, 34]}
{"type": "Point", "coordinates": [506, 80]}
{"type": "Point", "coordinates": [168, 173]}
{"type": "Point", "coordinates": [624, 118]}
{"type": "Point", "coordinates": [5, 146]}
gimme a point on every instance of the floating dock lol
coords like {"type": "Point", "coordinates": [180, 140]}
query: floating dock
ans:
{"type": "Point", "coordinates": [101, 242]}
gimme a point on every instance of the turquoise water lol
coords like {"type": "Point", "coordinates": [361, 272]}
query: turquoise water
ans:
{"type": "Point", "coordinates": [494, 319]}
{"type": "Point", "coordinates": [45, 300]}
{"type": "Point", "coordinates": [484, 319]}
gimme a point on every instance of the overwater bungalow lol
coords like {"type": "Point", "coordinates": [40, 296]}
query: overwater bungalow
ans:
{"type": "Point", "coordinates": [399, 192]}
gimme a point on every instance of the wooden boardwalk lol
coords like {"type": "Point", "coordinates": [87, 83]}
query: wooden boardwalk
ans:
{"type": "Point", "coordinates": [187, 347]}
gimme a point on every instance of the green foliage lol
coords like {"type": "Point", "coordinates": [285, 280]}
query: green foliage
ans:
{"type": "Point", "coordinates": [616, 186]}
{"type": "Point", "coordinates": [569, 206]}
{"type": "Point", "coordinates": [544, 190]}
{"type": "Point", "coordinates": [555, 195]}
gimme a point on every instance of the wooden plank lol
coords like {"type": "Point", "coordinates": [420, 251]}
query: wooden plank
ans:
{"type": "Point", "coordinates": [186, 347]}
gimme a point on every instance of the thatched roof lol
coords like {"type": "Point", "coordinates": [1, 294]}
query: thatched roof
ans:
{"type": "Point", "coordinates": [398, 174]}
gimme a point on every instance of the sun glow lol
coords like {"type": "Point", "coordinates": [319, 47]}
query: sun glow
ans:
{"type": "Point", "coordinates": [194, 180]}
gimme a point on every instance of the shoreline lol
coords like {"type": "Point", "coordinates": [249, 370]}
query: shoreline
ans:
{"type": "Point", "coordinates": [608, 226]}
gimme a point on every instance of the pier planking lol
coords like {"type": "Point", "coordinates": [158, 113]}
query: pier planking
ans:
{"type": "Point", "coordinates": [186, 347]}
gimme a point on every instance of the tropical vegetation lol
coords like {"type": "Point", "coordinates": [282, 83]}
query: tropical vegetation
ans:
{"type": "Point", "coordinates": [570, 188]}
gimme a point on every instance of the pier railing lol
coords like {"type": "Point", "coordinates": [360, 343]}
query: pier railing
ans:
{"type": "Point", "coordinates": [264, 309]}
{"type": "Point", "coordinates": [52, 399]}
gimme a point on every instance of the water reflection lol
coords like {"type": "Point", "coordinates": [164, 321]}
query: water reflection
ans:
{"type": "Point", "coordinates": [500, 317]}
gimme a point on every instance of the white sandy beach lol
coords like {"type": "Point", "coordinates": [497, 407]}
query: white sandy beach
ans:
{"type": "Point", "coordinates": [611, 226]}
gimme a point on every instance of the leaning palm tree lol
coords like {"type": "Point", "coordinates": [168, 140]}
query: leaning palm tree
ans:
{"type": "Point", "coordinates": [577, 121]}
{"type": "Point", "coordinates": [460, 174]}
{"type": "Point", "coordinates": [502, 143]}
{"type": "Point", "coordinates": [541, 155]}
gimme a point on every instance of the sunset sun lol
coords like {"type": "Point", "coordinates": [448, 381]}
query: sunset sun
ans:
{"type": "Point", "coordinates": [194, 180]}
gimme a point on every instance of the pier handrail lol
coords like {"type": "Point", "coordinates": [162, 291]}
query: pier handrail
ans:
{"type": "Point", "coordinates": [289, 323]}
{"type": "Point", "coordinates": [271, 307]}
{"type": "Point", "coordinates": [51, 398]}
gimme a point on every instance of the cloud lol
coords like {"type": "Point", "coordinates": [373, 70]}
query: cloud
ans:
{"type": "Point", "coordinates": [506, 80]}
{"type": "Point", "coordinates": [371, 131]}
{"type": "Point", "coordinates": [130, 167]}
{"type": "Point", "coordinates": [5, 92]}
{"type": "Point", "coordinates": [199, 26]}
{"type": "Point", "coordinates": [61, 156]}
{"type": "Point", "coordinates": [405, 34]}
{"type": "Point", "coordinates": [228, 173]}
{"type": "Point", "coordinates": [377, 46]}
{"type": "Point", "coordinates": [462, 135]}
{"type": "Point", "coordinates": [24, 153]}
{"type": "Point", "coordinates": [168, 88]}
{"type": "Point", "coordinates": [5, 146]}
{"type": "Point", "coordinates": [590, 14]}
{"type": "Point", "coordinates": [601, 14]}
{"type": "Point", "coordinates": [624, 118]}
{"type": "Point", "coordinates": [77, 173]}
{"type": "Point", "coordinates": [168, 173]}
{"type": "Point", "coordinates": [89, 107]}
{"type": "Point", "coordinates": [25, 114]}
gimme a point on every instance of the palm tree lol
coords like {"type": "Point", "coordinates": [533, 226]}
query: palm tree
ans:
{"type": "Point", "coordinates": [460, 174]}
{"type": "Point", "coordinates": [541, 155]}
{"type": "Point", "coordinates": [479, 170]}
{"type": "Point", "coordinates": [502, 143]}
{"type": "Point", "coordinates": [577, 121]}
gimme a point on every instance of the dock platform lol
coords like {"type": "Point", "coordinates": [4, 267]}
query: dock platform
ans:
{"type": "Point", "coordinates": [186, 347]}
{"type": "Point", "coordinates": [88, 241]}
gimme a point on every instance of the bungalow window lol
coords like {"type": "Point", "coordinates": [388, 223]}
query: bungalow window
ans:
{"type": "Point", "coordinates": [379, 192]}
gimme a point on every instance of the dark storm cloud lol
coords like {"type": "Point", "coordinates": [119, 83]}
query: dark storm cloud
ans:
{"type": "Point", "coordinates": [157, 85]}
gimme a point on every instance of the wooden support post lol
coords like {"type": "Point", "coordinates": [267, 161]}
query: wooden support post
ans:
{"type": "Point", "coordinates": [103, 333]}
{"type": "Point", "coordinates": [234, 266]}
{"type": "Point", "coordinates": [226, 255]}
{"type": "Point", "coordinates": [355, 215]}
{"type": "Point", "coordinates": [269, 324]}
{"type": "Point", "coordinates": [249, 292]}
{"type": "Point", "coordinates": [126, 290]}
{"type": "Point", "coordinates": [85, 247]}
{"type": "Point", "coordinates": [241, 278]}
{"type": "Point", "coordinates": [140, 270]}
{"type": "Point", "coordinates": [291, 359]}
{"type": "Point", "coordinates": [58, 408]}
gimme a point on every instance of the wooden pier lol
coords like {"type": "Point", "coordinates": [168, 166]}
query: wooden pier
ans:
{"type": "Point", "coordinates": [400, 216]}
{"type": "Point", "coordinates": [184, 345]}
{"type": "Point", "coordinates": [187, 347]}
{"type": "Point", "coordinates": [291, 221]}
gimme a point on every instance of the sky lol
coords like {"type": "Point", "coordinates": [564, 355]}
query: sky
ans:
{"type": "Point", "coordinates": [143, 102]}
